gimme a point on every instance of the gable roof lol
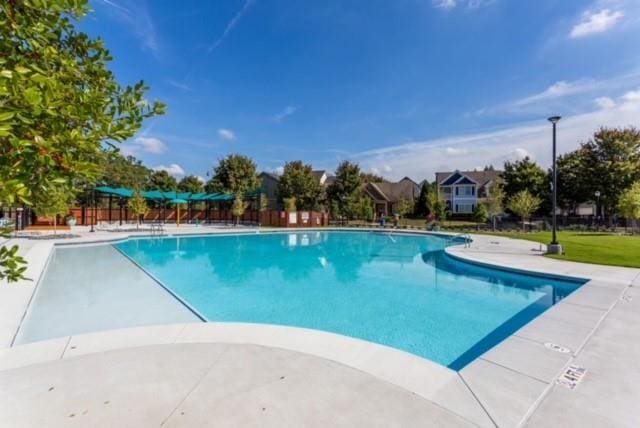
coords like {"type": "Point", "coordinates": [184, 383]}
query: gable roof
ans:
{"type": "Point", "coordinates": [479, 177]}
{"type": "Point", "coordinates": [392, 192]}
{"type": "Point", "coordinates": [269, 175]}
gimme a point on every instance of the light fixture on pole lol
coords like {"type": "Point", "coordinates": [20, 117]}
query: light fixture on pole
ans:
{"type": "Point", "coordinates": [554, 247]}
{"type": "Point", "coordinates": [597, 195]}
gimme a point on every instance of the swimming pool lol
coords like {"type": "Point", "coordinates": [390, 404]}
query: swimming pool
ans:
{"type": "Point", "coordinates": [399, 290]}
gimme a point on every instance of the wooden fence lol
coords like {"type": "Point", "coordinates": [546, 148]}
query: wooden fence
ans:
{"type": "Point", "coordinates": [87, 216]}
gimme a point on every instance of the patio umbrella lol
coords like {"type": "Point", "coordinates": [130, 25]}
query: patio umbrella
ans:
{"type": "Point", "coordinates": [178, 202]}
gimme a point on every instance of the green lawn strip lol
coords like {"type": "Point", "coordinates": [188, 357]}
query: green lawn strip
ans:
{"type": "Point", "coordinates": [598, 248]}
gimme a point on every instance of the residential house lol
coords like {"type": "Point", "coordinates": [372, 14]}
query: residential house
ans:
{"type": "Point", "coordinates": [464, 190]}
{"type": "Point", "coordinates": [387, 195]}
{"type": "Point", "coordinates": [270, 188]}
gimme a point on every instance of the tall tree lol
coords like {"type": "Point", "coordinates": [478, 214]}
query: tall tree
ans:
{"type": "Point", "coordinates": [58, 101]}
{"type": "Point", "coordinates": [138, 206]}
{"type": "Point", "coordinates": [422, 204]}
{"type": "Point", "coordinates": [297, 180]}
{"type": "Point", "coordinates": [629, 203]}
{"type": "Point", "coordinates": [346, 189]}
{"type": "Point", "coordinates": [574, 186]}
{"type": "Point", "coordinates": [120, 171]}
{"type": "Point", "coordinates": [611, 163]}
{"type": "Point", "coordinates": [163, 181]}
{"type": "Point", "coordinates": [523, 204]}
{"type": "Point", "coordinates": [369, 177]}
{"type": "Point", "coordinates": [234, 174]}
{"type": "Point", "coordinates": [525, 174]}
{"type": "Point", "coordinates": [495, 202]}
{"type": "Point", "coordinates": [191, 184]}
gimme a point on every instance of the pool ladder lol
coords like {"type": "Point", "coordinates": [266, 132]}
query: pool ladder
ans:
{"type": "Point", "coordinates": [465, 236]}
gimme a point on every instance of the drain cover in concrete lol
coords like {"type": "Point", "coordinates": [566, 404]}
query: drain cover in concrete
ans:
{"type": "Point", "coordinates": [557, 348]}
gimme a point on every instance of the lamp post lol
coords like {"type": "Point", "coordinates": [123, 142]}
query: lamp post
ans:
{"type": "Point", "coordinates": [597, 195]}
{"type": "Point", "coordinates": [554, 247]}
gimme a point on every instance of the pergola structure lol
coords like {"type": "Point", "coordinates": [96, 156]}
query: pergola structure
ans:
{"type": "Point", "coordinates": [161, 197]}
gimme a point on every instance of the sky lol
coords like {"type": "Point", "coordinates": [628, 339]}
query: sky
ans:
{"type": "Point", "coordinates": [403, 87]}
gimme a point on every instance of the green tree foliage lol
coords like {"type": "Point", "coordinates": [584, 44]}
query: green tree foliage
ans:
{"type": "Point", "coordinates": [120, 171]}
{"type": "Point", "coordinates": [525, 174]}
{"type": "Point", "coordinates": [163, 181]}
{"type": "Point", "coordinates": [58, 102]}
{"type": "Point", "coordinates": [480, 214]}
{"type": "Point", "coordinates": [191, 184]}
{"type": "Point", "coordinates": [365, 208]}
{"type": "Point", "coordinates": [436, 205]}
{"type": "Point", "coordinates": [290, 204]}
{"type": "Point", "coordinates": [422, 204]}
{"type": "Point", "coordinates": [297, 180]}
{"type": "Point", "coordinates": [239, 207]}
{"type": "Point", "coordinates": [495, 202]}
{"type": "Point", "coordinates": [369, 177]}
{"type": "Point", "coordinates": [346, 189]}
{"type": "Point", "coordinates": [609, 162]}
{"type": "Point", "coordinates": [523, 204]}
{"type": "Point", "coordinates": [404, 207]}
{"type": "Point", "coordinates": [138, 206]}
{"type": "Point", "coordinates": [53, 202]}
{"type": "Point", "coordinates": [629, 202]}
{"type": "Point", "coordinates": [235, 174]}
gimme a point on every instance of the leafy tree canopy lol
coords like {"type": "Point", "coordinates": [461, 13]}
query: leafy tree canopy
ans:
{"type": "Point", "coordinates": [298, 181]}
{"type": "Point", "coordinates": [190, 183]}
{"type": "Point", "coordinates": [120, 171]}
{"type": "Point", "coordinates": [525, 174]}
{"type": "Point", "coordinates": [523, 204]}
{"type": "Point", "coordinates": [161, 180]}
{"type": "Point", "coordinates": [629, 203]}
{"type": "Point", "coordinates": [234, 174]}
{"type": "Point", "coordinates": [59, 103]}
{"type": "Point", "coordinates": [346, 189]}
{"type": "Point", "coordinates": [369, 177]}
{"type": "Point", "coordinates": [422, 204]}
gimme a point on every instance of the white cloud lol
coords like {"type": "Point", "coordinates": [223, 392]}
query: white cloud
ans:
{"type": "Point", "coordinates": [151, 145]}
{"type": "Point", "coordinates": [227, 134]}
{"type": "Point", "coordinates": [452, 4]}
{"type": "Point", "coordinates": [452, 151]}
{"type": "Point", "coordinates": [142, 145]}
{"type": "Point", "coordinates": [605, 102]}
{"type": "Point", "coordinates": [201, 179]}
{"type": "Point", "coordinates": [173, 169]}
{"type": "Point", "coordinates": [595, 22]}
{"type": "Point", "coordinates": [421, 159]}
{"type": "Point", "coordinates": [137, 18]}
{"type": "Point", "coordinates": [558, 90]}
{"type": "Point", "coordinates": [179, 85]}
{"type": "Point", "coordinates": [279, 170]}
{"type": "Point", "coordinates": [288, 111]}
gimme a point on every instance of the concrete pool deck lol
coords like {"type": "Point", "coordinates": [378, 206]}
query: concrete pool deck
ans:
{"type": "Point", "coordinates": [513, 384]}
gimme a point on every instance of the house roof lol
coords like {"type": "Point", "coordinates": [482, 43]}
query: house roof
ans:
{"type": "Point", "coordinates": [479, 177]}
{"type": "Point", "coordinates": [392, 192]}
{"type": "Point", "coordinates": [269, 175]}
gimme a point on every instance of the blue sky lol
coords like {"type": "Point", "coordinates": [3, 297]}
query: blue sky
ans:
{"type": "Point", "coordinates": [404, 87]}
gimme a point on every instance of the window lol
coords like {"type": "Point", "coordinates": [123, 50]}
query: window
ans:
{"type": "Point", "coordinates": [465, 190]}
{"type": "Point", "coordinates": [464, 208]}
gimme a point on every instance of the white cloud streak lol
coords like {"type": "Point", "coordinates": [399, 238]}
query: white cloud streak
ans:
{"type": "Point", "coordinates": [595, 22]}
{"type": "Point", "coordinates": [137, 18]}
{"type": "Point", "coordinates": [230, 26]}
{"type": "Point", "coordinates": [421, 159]}
{"type": "Point", "coordinates": [288, 111]}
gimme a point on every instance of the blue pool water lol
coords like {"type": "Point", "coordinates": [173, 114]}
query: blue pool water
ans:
{"type": "Point", "coordinates": [397, 290]}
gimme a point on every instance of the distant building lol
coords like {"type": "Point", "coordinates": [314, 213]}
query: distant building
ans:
{"type": "Point", "coordinates": [463, 190]}
{"type": "Point", "coordinates": [386, 195]}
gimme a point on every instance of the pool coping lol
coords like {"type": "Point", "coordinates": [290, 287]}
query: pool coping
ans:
{"type": "Point", "coordinates": [464, 392]}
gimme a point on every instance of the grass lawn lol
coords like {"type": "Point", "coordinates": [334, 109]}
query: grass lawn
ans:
{"type": "Point", "coordinates": [599, 248]}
